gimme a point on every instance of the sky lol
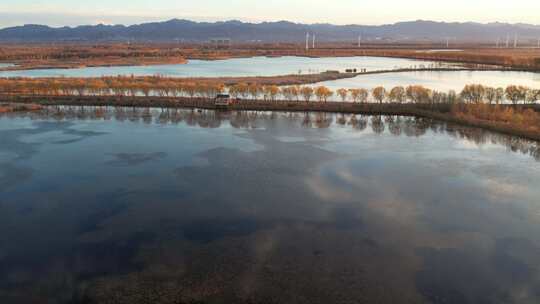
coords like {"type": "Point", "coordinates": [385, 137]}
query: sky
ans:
{"type": "Point", "coordinates": [71, 12]}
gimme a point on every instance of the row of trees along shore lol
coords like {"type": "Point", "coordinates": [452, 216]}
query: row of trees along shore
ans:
{"type": "Point", "coordinates": [122, 86]}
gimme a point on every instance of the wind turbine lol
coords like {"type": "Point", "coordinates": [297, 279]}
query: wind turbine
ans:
{"type": "Point", "coordinates": [307, 41]}
{"type": "Point", "coordinates": [515, 40]}
{"type": "Point", "coordinates": [359, 41]}
{"type": "Point", "coordinates": [313, 46]}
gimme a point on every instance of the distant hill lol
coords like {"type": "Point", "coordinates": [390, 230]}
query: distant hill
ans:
{"type": "Point", "coordinates": [282, 31]}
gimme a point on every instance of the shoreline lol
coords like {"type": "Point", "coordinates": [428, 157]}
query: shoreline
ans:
{"type": "Point", "coordinates": [435, 111]}
{"type": "Point", "coordinates": [23, 66]}
{"type": "Point", "coordinates": [280, 80]}
{"type": "Point", "coordinates": [459, 65]}
{"type": "Point", "coordinates": [19, 107]}
{"type": "Point", "coordinates": [292, 79]}
{"type": "Point", "coordinates": [144, 55]}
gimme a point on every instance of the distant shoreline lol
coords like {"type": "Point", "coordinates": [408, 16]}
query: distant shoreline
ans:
{"type": "Point", "coordinates": [72, 56]}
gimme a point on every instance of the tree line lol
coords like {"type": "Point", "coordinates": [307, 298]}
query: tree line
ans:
{"type": "Point", "coordinates": [126, 86]}
{"type": "Point", "coordinates": [396, 125]}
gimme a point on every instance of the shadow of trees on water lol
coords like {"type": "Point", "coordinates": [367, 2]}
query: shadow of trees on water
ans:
{"type": "Point", "coordinates": [377, 124]}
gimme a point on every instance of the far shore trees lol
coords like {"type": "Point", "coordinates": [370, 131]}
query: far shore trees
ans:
{"type": "Point", "coordinates": [191, 89]}
{"type": "Point", "coordinates": [499, 95]}
{"type": "Point", "coordinates": [363, 95]}
{"type": "Point", "coordinates": [491, 94]}
{"type": "Point", "coordinates": [343, 94]}
{"type": "Point", "coordinates": [242, 89]}
{"type": "Point", "coordinates": [307, 93]}
{"type": "Point", "coordinates": [133, 87]}
{"type": "Point", "coordinates": [494, 95]}
{"type": "Point", "coordinates": [397, 94]}
{"type": "Point", "coordinates": [473, 93]}
{"type": "Point", "coordinates": [516, 93]}
{"type": "Point", "coordinates": [418, 94]}
{"type": "Point", "coordinates": [212, 90]}
{"type": "Point", "coordinates": [254, 90]}
{"type": "Point", "coordinates": [287, 93]}
{"type": "Point", "coordinates": [295, 91]}
{"type": "Point", "coordinates": [271, 92]}
{"type": "Point", "coordinates": [533, 96]}
{"type": "Point", "coordinates": [359, 95]}
{"type": "Point", "coordinates": [379, 94]}
{"type": "Point", "coordinates": [355, 95]}
{"type": "Point", "coordinates": [323, 93]}
{"type": "Point", "coordinates": [291, 93]}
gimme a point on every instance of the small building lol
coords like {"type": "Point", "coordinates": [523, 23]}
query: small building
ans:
{"type": "Point", "coordinates": [223, 100]}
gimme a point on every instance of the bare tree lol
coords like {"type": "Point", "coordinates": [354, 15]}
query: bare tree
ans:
{"type": "Point", "coordinates": [379, 94]}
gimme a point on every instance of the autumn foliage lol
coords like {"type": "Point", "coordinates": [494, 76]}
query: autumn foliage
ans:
{"type": "Point", "coordinates": [519, 118]}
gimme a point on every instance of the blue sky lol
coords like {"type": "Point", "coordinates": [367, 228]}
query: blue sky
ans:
{"type": "Point", "coordinates": [70, 12]}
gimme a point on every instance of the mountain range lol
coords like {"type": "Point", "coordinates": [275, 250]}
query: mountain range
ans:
{"type": "Point", "coordinates": [281, 31]}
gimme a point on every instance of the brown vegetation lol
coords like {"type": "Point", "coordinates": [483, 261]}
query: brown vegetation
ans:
{"type": "Point", "coordinates": [81, 55]}
{"type": "Point", "coordinates": [525, 119]}
{"type": "Point", "coordinates": [475, 105]}
{"type": "Point", "coordinates": [256, 87]}
{"type": "Point", "coordinates": [18, 107]}
{"type": "Point", "coordinates": [527, 125]}
{"type": "Point", "coordinates": [146, 84]}
{"type": "Point", "coordinates": [520, 59]}
{"type": "Point", "coordinates": [76, 56]}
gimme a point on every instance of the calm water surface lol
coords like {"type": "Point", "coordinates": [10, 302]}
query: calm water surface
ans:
{"type": "Point", "coordinates": [237, 67]}
{"type": "Point", "coordinates": [151, 206]}
{"type": "Point", "coordinates": [442, 81]}
{"type": "Point", "coordinates": [263, 66]}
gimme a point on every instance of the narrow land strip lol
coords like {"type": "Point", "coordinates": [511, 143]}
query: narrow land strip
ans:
{"type": "Point", "coordinates": [19, 107]}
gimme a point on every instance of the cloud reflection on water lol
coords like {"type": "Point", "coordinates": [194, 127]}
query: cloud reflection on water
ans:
{"type": "Point", "coordinates": [348, 210]}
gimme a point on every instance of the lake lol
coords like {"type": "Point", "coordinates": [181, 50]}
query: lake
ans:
{"type": "Point", "coordinates": [104, 205]}
{"type": "Point", "coordinates": [441, 81]}
{"type": "Point", "coordinates": [264, 66]}
{"type": "Point", "coordinates": [236, 67]}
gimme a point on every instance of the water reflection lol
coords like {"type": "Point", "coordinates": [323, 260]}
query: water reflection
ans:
{"type": "Point", "coordinates": [238, 67]}
{"type": "Point", "coordinates": [394, 125]}
{"type": "Point", "coordinates": [441, 81]}
{"type": "Point", "coordinates": [131, 205]}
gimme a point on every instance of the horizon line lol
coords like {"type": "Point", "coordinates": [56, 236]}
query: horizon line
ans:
{"type": "Point", "coordinates": [233, 19]}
